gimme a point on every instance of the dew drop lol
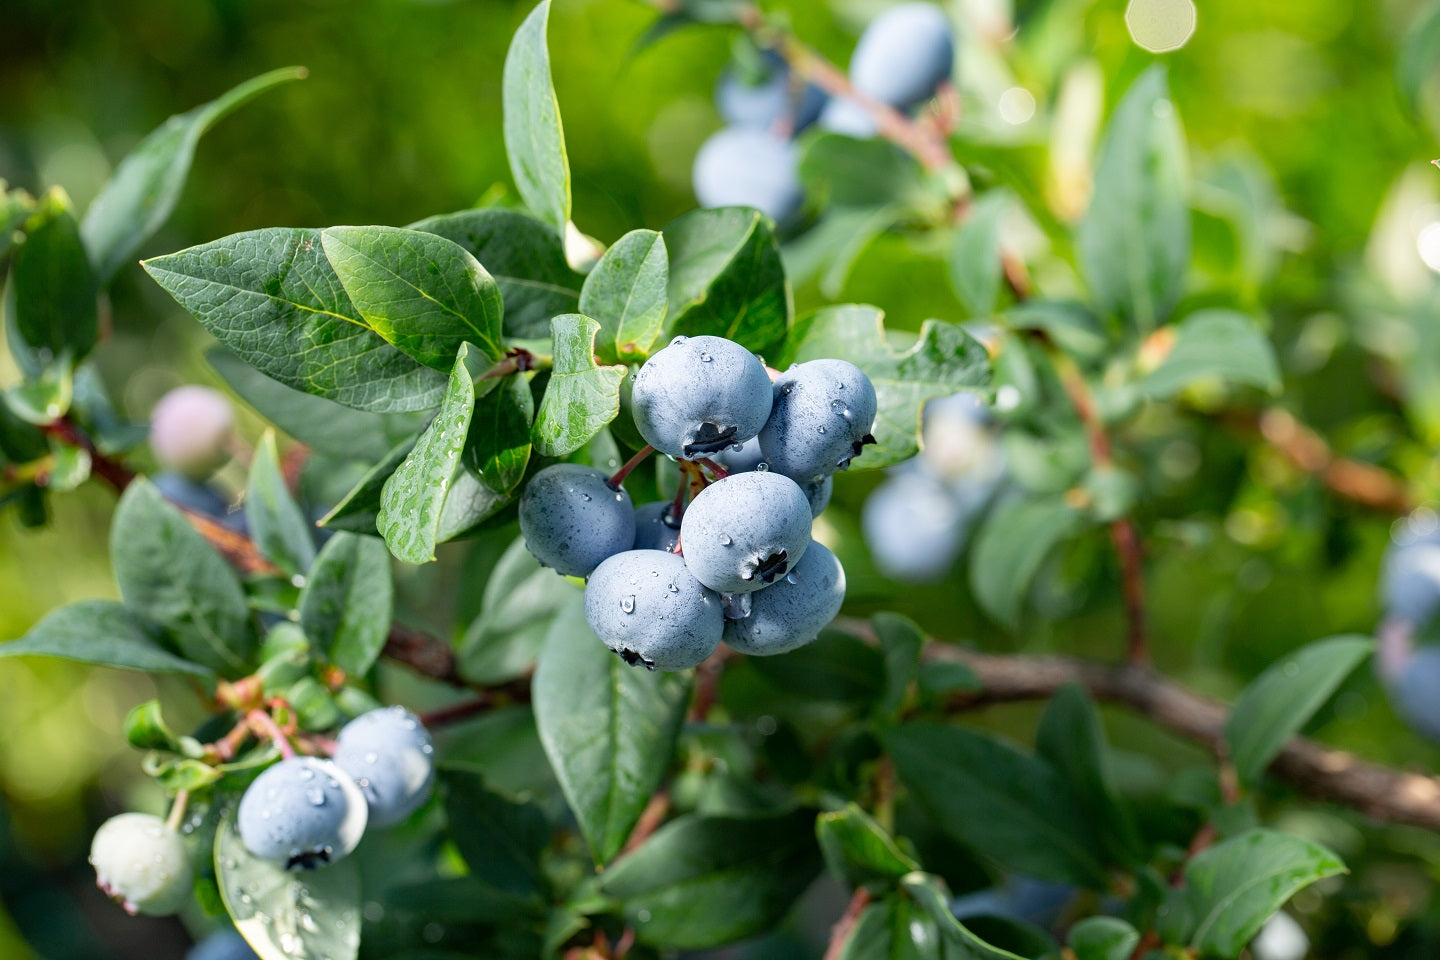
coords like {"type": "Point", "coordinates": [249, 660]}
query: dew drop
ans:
{"type": "Point", "coordinates": [372, 757]}
{"type": "Point", "coordinates": [786, 389]}
{"type": "Point", "coordinates": [264, 814]}
{"type": "Point", "coordinates": [791, 579]}
{"type": "Point", "coordinates": [316, 796]}
{"type": "Point", "coordinates": [737, 447]}
{"type": "Point", "coordinates": [674, 589]}
{"type": "Point", "coordinates": [725, 540]}
{"type": "Point", "coordinates": [307, 774]}
{"type": "Point", "coordinates": [839, 384]}
{"type": "Point", "coordinates": [822, 429]}
{"type": "Point", "coordinates": [627, 604]}
{"type": "Point", "coordinates": [762, 467]}
{"type": "Point", "coordinates": [585, 497]}
{"type": "Point", "coordinates": [654, 573]}
{"type": "Point", "coordinates": [706, 358]}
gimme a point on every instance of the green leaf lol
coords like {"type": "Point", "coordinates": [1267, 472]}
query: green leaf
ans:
{"type": "Point", "coordinates": [1072, 741]}
{"type": "Point", "coordinates": [1215, 345]}
{"type": "Point", "coordinates": [727, 279]}
{"type": "Point", "coordinates": [322, 425]}
{"type": "Point", "coordinates": [146, 729]}
{"type": "Point", "coordinates": [20, 441]}
{"type": "Point", "coordinates": [468, 505]}
{"type": "Point", "coordinates": [1013, 541]}
{"type": "Point", "coordinates": [840, 171]}
{"type": "Point", "coordinates": [170, 574]}
{"type": "Point", "coordinates": [930, 896]}
{"type": "Point", "coordinates": [858, 850]}
{"type": "Point", "coordinates": [277, 525]}
{"type": "Point", "coordinates": [423, 293]}
{"type": "Point", "coordinates": [899, 928]}
{"type": "Point", "coordinates": [901, 640]}
{"type": "Point", "coordinates": [180, 773]}
{"type": "Point", "coordinates": [626, 293]}
{"type": "Point", "coordinates": [1102, 938]}
{"type": "Point", "coordinates": [1004, 804]}
{"type": "Point", "coordinates": [15, 208]}
{"type": "Point", "coordinates": [1232, 888]}
{"type": "Point", "coordinates": [525, 257]}
{"type": "Point", "coordinates": [140, 196]}
{"type": "Point", "coordinates": [54, 287]}
{"type": "Point", "coordinates": [975, 270]}
{"type": "Point", "coordinates": [608, 729]}
{"type": "Point", "coordinates": [273, 298]}
{"type": "Point", "coordinates": [522, 599]}
{"type": "Point", "coordinates": [1419, 55]}
{"type": "Point", "coordinates": [412, 499]}
{"type": "Point", "coordinates": [500, 839]}
{"type": "Point", "coordinates": [944, 360]}
{"type": "Point", "coordinates": [283, 915]}
{"type": "Point", "coordinates": [581, 397]}
{"type": "Point", "coordinates": [47, 397]}
{"type": "Point", "coordinates": [534, 138]}
{"type": "Point", "coordinates": [359, 509]}
{"type": "Point", "coordinates": [1278, 703]}
{"type": "Point", "coordinates": [104, 633]}
{"type": "Point", "coordinates": [705, 881]}
{"type": "Point", "coordinates": [347, 603]}
{"type": "Point", "coordinates": [498, 446]}
{"type": "Point", "coordinates": [1134, 243]}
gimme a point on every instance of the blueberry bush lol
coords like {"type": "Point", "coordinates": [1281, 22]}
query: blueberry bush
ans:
{"type": "Point", "coordinates": [586, 599]}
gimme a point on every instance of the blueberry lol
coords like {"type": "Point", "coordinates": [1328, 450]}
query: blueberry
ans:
{"type": "Point", "coordinates": [190, 430]}
{"type": "Point", "coordinates": [913, 526]}
{"type": "Point", "coordinates": [656, 527]}
{"type": "Point", "coordinates": [746, 167]}
{"type": "Point", "coordinates": [141, 864]}
{"type": "Point", "coordinates": [699, 396]}
{"type": "Point", "coordinates": [770, 101]}
{"type": "Point", "coordinates": [747, 458]}
{"type": "Point", "coordinates": [904, 55]}
{"type": "Point", "coordinates": [1280, 939]}
{"type": "Point", "coordinates": [1417, 692]}
{"type": "Point", "coordinates": [1410, 576]}
{"type": "Point", "coordinates": [303, 813]}
{"type": "Point", "coordinates": [792, 611]}
{"type": "Point", "coordinates": [650, 610]}
{"type": "Point", "coordinates": [823, 414]}
{"type": "Point", "coordinates": [387, 753]}
{"type": "Point", "coordinates": [818, 492]}
{"type": "Point", "coordinates": [848, 117]}
{"type": "Point", "coordinates": [222, 945]}
{"type": "Point", "coordinates": [191, 494]}
{"type": "Point", "coordinates": [571, 518]}
{"type": "Point", "coordinates": [746, 531]}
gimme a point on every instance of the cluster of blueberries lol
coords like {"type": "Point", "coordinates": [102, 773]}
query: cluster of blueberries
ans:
{"type": "Point", "coordinates": [918, 520]}
{"type": "Point", "coordinates": [901, 60]}
{"type": "Point", "coordinates": [302, 812]}
{"type": "Point", "coordinates": [666, 584]}
{"type": "Point", "coordinates": [1410, 592]}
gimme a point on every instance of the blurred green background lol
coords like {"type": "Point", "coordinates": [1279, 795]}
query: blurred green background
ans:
{"type": "Point", "coordinates": [400, 118]}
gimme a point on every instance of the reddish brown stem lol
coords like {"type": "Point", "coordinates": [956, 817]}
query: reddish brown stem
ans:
{"type": "Point", "coordinates": [629, 466]}
{"type": "Point", "coordinates": [720, 472]}
{"type": "Point", "coordinates": [707, 679]}
{"type": "Point", "coordinates": [840, 933]}
{"type": "Point", "coordinates": [517, 360]}
{"type": "Point", "coordinates": [650, 820]}
{"type": "Point", "coordinates": [516, 691]}
{"type": "Point", "coordinates": [112, 471]}
{"type": "Point", "coordinates": [1306, 450]}
{"type": "Point", "coordinates": [264, 725]}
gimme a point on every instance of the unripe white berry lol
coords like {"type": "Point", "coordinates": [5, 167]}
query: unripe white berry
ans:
{"type": "Point", "coordinates": [190, 430]}
{"type": "Point", "coordinates": [141, 864]}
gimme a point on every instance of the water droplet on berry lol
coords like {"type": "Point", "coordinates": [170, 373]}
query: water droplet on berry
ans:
{"type": "Point", "coordinates": [839, 384]}
{"type": "Point", "coordinates": [762, 467]}
{"type": "Point", "coordinates": [315, 796]}
{"type": "Point", "coordinates": [372, 757]}
{"type": "Point", "coordinates": [725, 540]}
{"type": "Point", "coordinates": [674, 589]}
{"type": "Point", "coordinates": [307, 774]}
{"type": "Point", "coordinates": [678, 340]}
{"type": "Point", "coordinates": [627, 604]}
{"type": "Point", "coordinates": [791, 578]}
{"type": "Point", "coordinates": [706, 358]}
{"type": "Point", "coordinates": [585, 497]}
{"type": "Point", "coordinates": [822, 429]}
{"type": "Point", "coordinates": [786, 389]}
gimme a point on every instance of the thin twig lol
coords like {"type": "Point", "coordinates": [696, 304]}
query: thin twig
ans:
{"type": "Point", "coordinates": [1306, 450]}
{"type": "Point", "coordinates": [640, 457]}
{"type": "Point", "coordinates": [840, 933]}
{"type": "Point", "coordinates": [112, 471]}
{"type": "Point", "coordinates": [650, 820]}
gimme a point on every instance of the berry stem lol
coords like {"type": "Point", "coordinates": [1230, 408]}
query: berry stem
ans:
{"type": "Point", "coordinates": [264, 725]}
{"type": "Point", "coordinates": [113, 472]}
{"type": "Point", "coordinates": [640, 456]}
{"type": "Point", "coordinates": [720, 472]}
{"type": "Point", "coordinates": [177, 810]}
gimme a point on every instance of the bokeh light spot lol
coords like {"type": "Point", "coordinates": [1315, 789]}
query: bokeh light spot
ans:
{"type": "Point", "coordinates": [1160, 25]}
{"type": "Point", "coordinates": [1017, 105]}
{"type": "Point", "coordinates": [1428, 243]}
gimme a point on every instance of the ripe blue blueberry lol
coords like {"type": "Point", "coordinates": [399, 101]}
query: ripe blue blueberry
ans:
{"type": "Point", "coordinates": [772, 100]}
{"type": "Point", "coordinates": [1417, 692]}
{"type": "Point", "coordinates": [823, 414]}
{"type": "Point", "coordinates": [191, 429]}
{"type": "Point", "coordinates": [845, 116]}
{"type": "Point", "coordinates": [792, 611]}
{"type": "Point", "coordinates": [303, 813]}
{"type": "Point", "coordinates": [141, 864]}
{"type": "Point", "coordinates": [1410, 577]}
{"type": "Point", "coordinates": [746, 531]}
{"type": "Point", "coordinates": [913, 526]}
{"type": "Point", "coordinates": [571, 518]}
{"type": "Point", "coordinates": [700, 396]}
{"type": "Point", "coordinates": [191, 494]}
{"type": "Point", "coordinates": [818, 492]}
{"type": "Point", "coordinates": [747, 458]}
{"type": "Point", "coordinates": [222, 945]}
{"type": "Point", "coordinates": [746, 167]}
{"type": "Point", "coordinates": [904, 55]}
{"type": "Point", "coordinates": [387, 753]}
{"type": "Point", "coordinates": [649, 609]}
{"type": "Point", "coordinates": [656, 526]}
